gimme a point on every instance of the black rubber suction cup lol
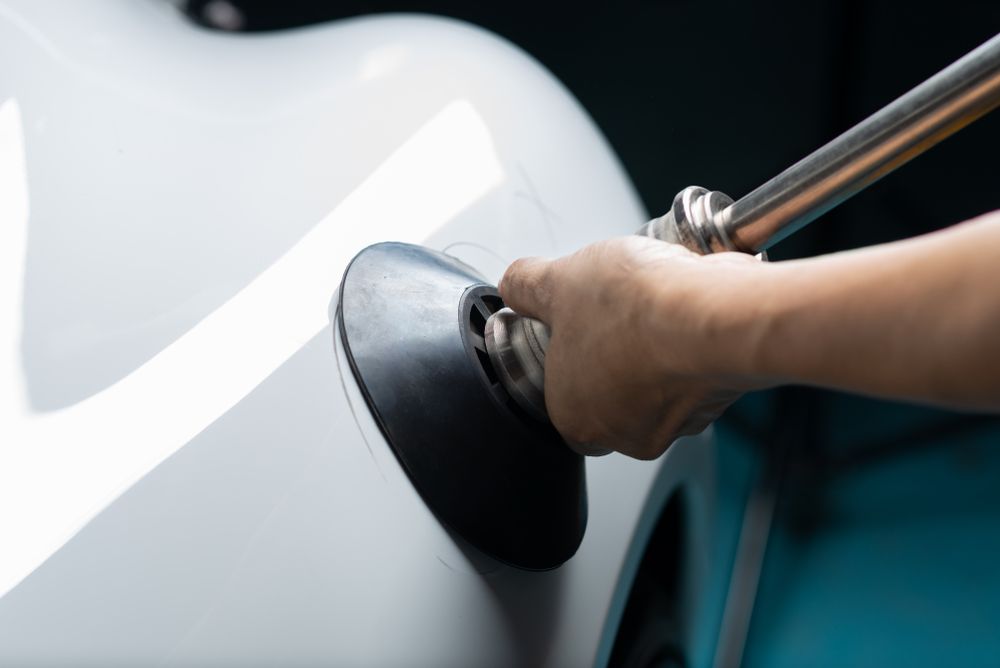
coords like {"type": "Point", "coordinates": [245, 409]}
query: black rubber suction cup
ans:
{"type": "Point", "coordinates": [412, 323]}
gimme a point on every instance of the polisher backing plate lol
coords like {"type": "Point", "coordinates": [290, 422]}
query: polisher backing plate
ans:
{"type": "Point", "coordinates": [411, 320]}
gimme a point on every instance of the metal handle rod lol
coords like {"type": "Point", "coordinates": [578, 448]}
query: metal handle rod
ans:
{"type": "Point", "coordinates": [940, 106]}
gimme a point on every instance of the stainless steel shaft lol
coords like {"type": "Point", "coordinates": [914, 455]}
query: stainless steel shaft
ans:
{"type": "Point", "coordinates": [709, 221]}
{"type": "Point", "coordinates": [897, 133]}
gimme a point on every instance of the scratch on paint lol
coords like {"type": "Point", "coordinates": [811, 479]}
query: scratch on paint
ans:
{"type": "Point", "coordinates": [548, 215]}
{"type": "Point", "coordinates": [446, 564]}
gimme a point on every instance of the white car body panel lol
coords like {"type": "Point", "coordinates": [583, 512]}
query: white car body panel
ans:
{"type": "Point", "coordinates": [188, 471]}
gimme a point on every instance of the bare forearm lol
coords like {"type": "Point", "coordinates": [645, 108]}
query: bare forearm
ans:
{"type": "Point", "coordinates": [917, 319]}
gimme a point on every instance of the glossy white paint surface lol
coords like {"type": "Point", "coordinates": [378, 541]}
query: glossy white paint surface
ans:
{"type": "Point", "coordinates": [188, 473]}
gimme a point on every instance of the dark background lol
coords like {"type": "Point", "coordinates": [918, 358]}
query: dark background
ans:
{"type": "Point", "coordinates": [725, 95]}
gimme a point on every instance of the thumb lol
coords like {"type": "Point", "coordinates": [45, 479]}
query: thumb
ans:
{"type": "Point", "coordinates": [525, 287]}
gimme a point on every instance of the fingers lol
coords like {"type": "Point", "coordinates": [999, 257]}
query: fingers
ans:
{"type": "Point", "coordinates": [525, 287]}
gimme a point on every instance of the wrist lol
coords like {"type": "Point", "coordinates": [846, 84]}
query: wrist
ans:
{"type": "Point", "coordinates": [744, 312]}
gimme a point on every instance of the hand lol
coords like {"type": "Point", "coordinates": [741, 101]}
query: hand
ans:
{"type": "Point", "coordinates": [636, 324]}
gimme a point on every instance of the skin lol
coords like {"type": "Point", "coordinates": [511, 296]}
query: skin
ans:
{"type": "Point", "coordinates": [651, 341]}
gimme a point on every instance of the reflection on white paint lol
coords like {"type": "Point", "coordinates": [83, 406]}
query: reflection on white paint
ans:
{"type": "Point", "coordinates": [58, 469]}
{"type": "Point", "coordinates": [382, 61]}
